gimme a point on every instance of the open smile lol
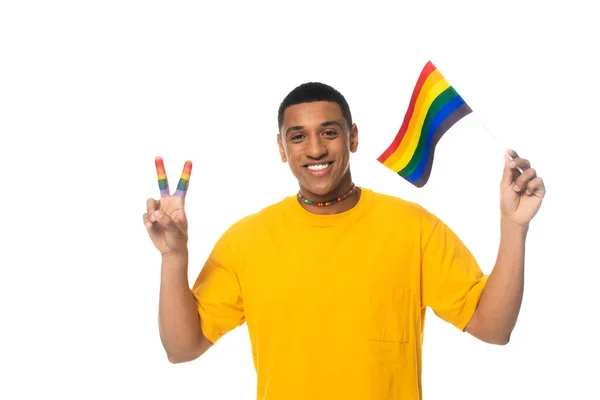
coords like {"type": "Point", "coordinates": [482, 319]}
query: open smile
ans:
{"type": "Point", "coordinates": [320, 169]}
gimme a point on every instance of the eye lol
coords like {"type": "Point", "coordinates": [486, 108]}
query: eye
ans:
{"type": "Point", "coordinates": [296, 137]}
{"type": "Point", "coordinates": [330, 133]}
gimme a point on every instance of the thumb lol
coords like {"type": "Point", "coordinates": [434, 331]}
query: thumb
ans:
{"type": "Point", "coordinates": [508, 174]}
{"type": "Point", "coordinates": [167, 222]}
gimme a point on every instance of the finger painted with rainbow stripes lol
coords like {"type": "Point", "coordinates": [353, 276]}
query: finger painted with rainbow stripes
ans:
{"type": "Point", "coordinates": [184, 181]}
{"type": "Point", "coordinates": [163, 183]}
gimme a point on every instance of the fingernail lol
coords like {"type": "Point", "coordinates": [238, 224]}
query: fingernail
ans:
{"type": "Point", "coordinates": [157, 214]}
{"type": "Point", "coordinates": [152, 217]}
{"type": "Point", "coordinates": [528, 191]}
{"type": "Point", "coordinates": [513, 164]}
{"type": "Point", "coordinates": [516, 187]}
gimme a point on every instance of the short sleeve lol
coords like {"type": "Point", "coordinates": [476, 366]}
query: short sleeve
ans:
{"type": "Point", "coordinates": [452, 281]}
{"type": "Point", "coordinates": [217, 290]}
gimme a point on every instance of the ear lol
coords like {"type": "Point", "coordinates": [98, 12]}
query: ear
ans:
{"type": "Point", "coordinates": [353, 138]}
{"type": "Point", "coordinates": [281, 148]}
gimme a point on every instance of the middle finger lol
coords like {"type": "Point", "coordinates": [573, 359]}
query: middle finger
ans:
{"type": "Point", "coordinates": [524, 179]}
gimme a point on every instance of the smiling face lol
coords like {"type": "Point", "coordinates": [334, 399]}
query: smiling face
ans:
{"type": "Point", "coordinates": [316, 142]}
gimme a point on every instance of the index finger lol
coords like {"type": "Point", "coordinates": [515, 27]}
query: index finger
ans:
{"type": "Point", "coordinates": [163, 183]}
{"type": "Point", "coordinates": [512, 155]}
{"type": "Point", "coordinates": [184, 181]}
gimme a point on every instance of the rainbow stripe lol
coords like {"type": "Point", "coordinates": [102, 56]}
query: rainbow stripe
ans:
{"type": "Point", "coordinates": [433, 109]}
{"type": "Point", "coordinates": [163, 183]}
{"type": "Point", "coordinates": [184, 180]}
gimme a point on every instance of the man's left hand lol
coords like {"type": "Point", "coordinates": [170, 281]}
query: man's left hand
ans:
{"type": "Point", "coordinates": [521, 194]}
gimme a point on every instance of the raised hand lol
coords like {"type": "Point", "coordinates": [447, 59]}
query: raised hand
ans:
{"type": "Point", "coordinates": [521, 190]}
{"type": "Point", "coordinates": [165, 219]}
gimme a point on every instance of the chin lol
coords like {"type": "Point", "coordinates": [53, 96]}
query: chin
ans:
{"type": "Point", "coordinates": [319, 188]}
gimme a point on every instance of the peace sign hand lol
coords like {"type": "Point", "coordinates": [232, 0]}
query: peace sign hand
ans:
{"type": "Point", "coordinates": [165, 219]}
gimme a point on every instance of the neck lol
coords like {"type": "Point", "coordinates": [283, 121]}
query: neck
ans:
{"type": "Point", "coordinates": [336, 208]}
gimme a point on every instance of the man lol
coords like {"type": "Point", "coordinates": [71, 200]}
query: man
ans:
{"type": "Point", "coordinates": [333, 283]}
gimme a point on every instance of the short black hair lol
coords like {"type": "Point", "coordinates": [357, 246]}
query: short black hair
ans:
{"type": "Point", "coordinates": [314, 91]}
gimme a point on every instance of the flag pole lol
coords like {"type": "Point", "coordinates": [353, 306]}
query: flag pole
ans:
{"type": "Point", "coordinates": [499, 143]}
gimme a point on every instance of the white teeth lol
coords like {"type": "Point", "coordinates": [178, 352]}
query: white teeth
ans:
{"type": "Point", "coordinates": [317, 167]}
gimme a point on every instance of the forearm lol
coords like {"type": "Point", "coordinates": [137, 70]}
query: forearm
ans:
{"type": "Point", "coordinates": [501, 299]}
{"type": "Point", "coordinates": [179, 322]}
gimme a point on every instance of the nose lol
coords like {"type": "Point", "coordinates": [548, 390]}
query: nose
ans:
{"type": "Point", "coordinates": [316, 148]}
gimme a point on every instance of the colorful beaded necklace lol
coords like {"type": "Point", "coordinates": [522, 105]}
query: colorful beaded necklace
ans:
{"type": "Point", "coordinates": [327, 203]}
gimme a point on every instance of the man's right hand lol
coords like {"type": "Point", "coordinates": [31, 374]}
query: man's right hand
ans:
{"type": "Point", "coordinates": [178, 318]}
{"type": "Point", "coordinates": [165, 219]}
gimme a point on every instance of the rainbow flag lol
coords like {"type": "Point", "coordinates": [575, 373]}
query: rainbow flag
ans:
{"type": "Point", "coordinates": [433, 109]}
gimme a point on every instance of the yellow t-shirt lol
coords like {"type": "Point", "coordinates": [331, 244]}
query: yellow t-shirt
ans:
{"type": "Point", "coordinates": [335, 304]}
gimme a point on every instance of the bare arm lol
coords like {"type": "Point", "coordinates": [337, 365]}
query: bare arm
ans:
{"type": "Point", "coordinates": [521, 195]}
{"type": "Point", "coordinates": [179, 321]}
{"type": "Point", "coordinates": [178, 318]}
{"type": "Point", "coordinates": [500, 303]}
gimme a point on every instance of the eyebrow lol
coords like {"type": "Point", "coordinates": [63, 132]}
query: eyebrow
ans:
{"type": "Point", "coordinates": [324, 124]}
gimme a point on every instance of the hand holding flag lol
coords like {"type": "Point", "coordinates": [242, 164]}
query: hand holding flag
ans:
{"type": "Point", "coordinates": [433, 109]}
{"type": "Point", "coordinates": [521, 190]}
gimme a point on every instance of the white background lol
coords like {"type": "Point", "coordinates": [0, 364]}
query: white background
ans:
{"type": "Point", "coordinates": [91, 92]}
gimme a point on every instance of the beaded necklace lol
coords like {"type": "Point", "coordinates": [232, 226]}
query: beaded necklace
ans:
{"type": "Point", "coordinates": [330, 202]}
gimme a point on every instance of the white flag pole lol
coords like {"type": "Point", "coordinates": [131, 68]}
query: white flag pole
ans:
{"type": "Point", "coordinates": [496, 139]}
